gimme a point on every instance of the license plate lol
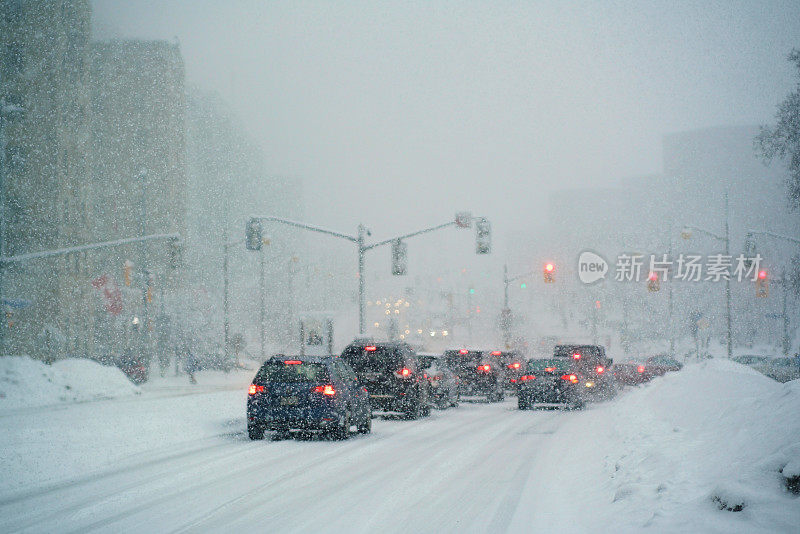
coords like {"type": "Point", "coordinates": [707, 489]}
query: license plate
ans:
{"type": "Point", "coordinates": [288, 401]}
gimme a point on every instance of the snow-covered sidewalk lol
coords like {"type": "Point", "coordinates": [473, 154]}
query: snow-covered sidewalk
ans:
{"type": "Point", "coordinates": [701, 450]}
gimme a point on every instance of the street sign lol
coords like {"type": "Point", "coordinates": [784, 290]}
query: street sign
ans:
{"type": "Point", "coordinates": [483, 236]}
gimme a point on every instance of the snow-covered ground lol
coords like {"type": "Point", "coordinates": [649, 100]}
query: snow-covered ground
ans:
{"type": "Point", "coordinates": [176, 457]}
{"type": "Point", "coordinates": [25, 382]}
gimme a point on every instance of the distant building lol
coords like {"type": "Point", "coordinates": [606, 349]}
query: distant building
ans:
{"type": "Point", "coordinates": [45, 188]}
{"type": "Point", "coordinates": [139, 183]}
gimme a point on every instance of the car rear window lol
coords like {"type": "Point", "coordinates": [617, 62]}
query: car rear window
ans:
{"type": "Point", "coordinates": [587, 352]}
{"type": "Point", "coordinates": [300, 372]}
{"type": "Point", "coordinates": [561, 364]}
{"type": "Point", "coordinates": [456, 360]}
{"type": "Point", "coordinates": [377, 361]}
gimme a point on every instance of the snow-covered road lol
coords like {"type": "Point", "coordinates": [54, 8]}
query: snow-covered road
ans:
{"type": "Point", "coordinates": [176, 458]}
{"type": "Point", "coordinates": [180, 461]}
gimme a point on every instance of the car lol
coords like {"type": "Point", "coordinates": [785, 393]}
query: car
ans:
{"type": "Point", "coordinates": [479, 373]}
{"type": "Point", "coordinates": [661, 364]}
{"type": "Point", "coordinates": [550, 382]}
{"type": "Point", "coordinates": [593, 368]}
{"type": "Point", "coordinates": [780, 369]}
{"type": "Point", "coordinates": [632, 372]}
{"type": "Point", "coordinates": [442, 380]}
{"type": "Point", "coordinates": [307, 393]}
{"type": "Point", "coordinates": [513, 366]}
{"type": "Point", "coordinates": [392, 375]}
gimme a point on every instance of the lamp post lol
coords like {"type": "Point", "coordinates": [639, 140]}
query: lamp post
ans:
{"type": "Point", "coordinates": [687, 234]}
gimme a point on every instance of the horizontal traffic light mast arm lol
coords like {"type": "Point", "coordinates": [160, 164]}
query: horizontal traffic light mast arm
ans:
{"type": "Point", "coordinates": [83, 248]}
{"type": "Point", "coordinates": [513, 278]}
{"type": "Point", "coordinates": [706, 232]}
{"type": "Point", "coordinates": [774, 235]}
{"type": "Point", "coordinates": [308, 227]}
{"type": "Point", "coordinates": [412, 234]}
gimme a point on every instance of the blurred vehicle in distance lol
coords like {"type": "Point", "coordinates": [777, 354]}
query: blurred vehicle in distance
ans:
{"type": "Point", "coordinates": [392, 375]}
{"type": "Point", "coordinates": [479, 373]}
{"type": "Point", "coordinates": [443, 381]}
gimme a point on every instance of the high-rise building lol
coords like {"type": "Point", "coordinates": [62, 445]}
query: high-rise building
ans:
{"type": "Point", "coordinates": [44, 180]}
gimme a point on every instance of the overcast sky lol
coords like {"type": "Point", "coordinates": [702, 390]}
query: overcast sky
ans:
{"type": "Point", "coordinates": [386, 109]}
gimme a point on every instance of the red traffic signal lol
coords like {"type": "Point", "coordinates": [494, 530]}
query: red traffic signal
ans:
{"type": "Point", "coordinates": [549, 273]}
{"type": "Point", "coordinates": [653, 283]}
{"type": "Point", "coordinates": [762, 285]}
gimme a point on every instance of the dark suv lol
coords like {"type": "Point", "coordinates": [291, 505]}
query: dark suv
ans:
{"type": "Point", "coordinates": [309, 393]}
{"type": "Point", "coordinates": [392, 375]}
{"type": "Point", "coordinates": [479, 373]}
{"type": "Point", "coordinates": [593, 368]}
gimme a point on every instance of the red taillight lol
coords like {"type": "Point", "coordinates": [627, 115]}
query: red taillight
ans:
{"type": "Point", "coordinates": [371, 348]}
{"type": "Point", "coordinates": [292, 362]}
{"type": "Point", "coordinates": [513, 380]}
{"type": "Point", "coordinates": [325, 390]}
{"type": "Point", "coordinates": [640, 368]}
{"type": "Point", "coordinates": [463, 351]}
{"type": "Point", "coordinates": [496, 353]}
{"type": "Point", "coordinates": [255, 389]}
{"type": "Point", "coordinates": [515, 365]}
{"type": "Point", "coordinates": [403, 373]}
{"type": "Point", "coordinates": [525, 378]}
{"type": "Point", "coordinates": [576, 356]}
{"type": "Point", "coordinates": [485, 368]}
{"type": "Point", "coordinates": [570, 378]}
{"type": "Point", "coordinates": [600, 369]}
{"type": "Point", "coordinates": [549, 369]}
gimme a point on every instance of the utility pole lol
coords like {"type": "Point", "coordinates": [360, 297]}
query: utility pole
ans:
{"type": "Point", "coordinates": [728, 279]}
{"type": "Point", "coordinates": [225, 325]}
{"type": "Point", "coordinates": [263, 307]}
{"type": "Point", "coordinates": [362, 327]}
{"type": "Point", "coordinates": [785, 285]}
{"type": "Point", "coordinates": [145, 323]}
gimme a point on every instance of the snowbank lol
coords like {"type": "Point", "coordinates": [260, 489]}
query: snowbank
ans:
{"type": "Point", "coordinates": [25, 382]}
{"type": "Point", "coordinates": [701, 450]}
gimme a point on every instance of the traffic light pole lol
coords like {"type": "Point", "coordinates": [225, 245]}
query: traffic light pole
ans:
{"type": "Point", "coordinates": [506, 309]}
{"type": "Point", "coordinates": [360, 242]}
{"type": "Point", "coordinates": [726, 239]}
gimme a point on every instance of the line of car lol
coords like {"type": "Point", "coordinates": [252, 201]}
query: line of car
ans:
{"type": "Point", "coordinates": [337, 395]}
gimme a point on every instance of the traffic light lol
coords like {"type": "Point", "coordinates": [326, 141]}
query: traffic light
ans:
{"type": "Point", "coordinates": [762, 284]}
{"type": "Point", "coordinates": [399, 258]}
{"type": "Point", "coordinates": [549, 273]}
{"type": "Point", "coordinates": [175, 254]}
{"type": "Point", "coordinates": [653, 283]}
{"type": "Point", "coordinates": [483, 236]}
{"type": "Point", "coordinates": [252, 234]}
{"type": "Point", "coordinates": [127, 269]}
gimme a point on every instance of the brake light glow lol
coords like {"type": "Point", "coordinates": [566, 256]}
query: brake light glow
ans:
{"type": "Point", "coordinates": [403, 373]}
{"type": "Point", "coordinates": [514, 365]}
{"type": "Point", "coordinates": [255, 389]}
{"type": "Point", "coordinates": [496, 353]}
{"type": "Point", "coordinates": [600, 369]}
{"type": "Point", "coordinates": [549, 369]}
{"type": "Point", "coordinates": [576, 356]}
{"type": "Point", "coordinates": [485, 368]}
{"type": "Point", "coordinates": [292, 362]}
{"type": "Point", "coordinates": [463, 351]}
{"type": "Point", "coordinates": [325, 390]}
{"type": "Point", "coordinates": [371, 348]}
{"type": "Point", "coordinates": [640, 368]}
{"type": "Point", "coordinates": [570, 378]}
{"type": "Point", "coordinates": [525, 378]}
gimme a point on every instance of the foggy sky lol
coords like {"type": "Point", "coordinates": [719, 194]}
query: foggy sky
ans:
{"type": "Point", "coordinates": [399, 114]}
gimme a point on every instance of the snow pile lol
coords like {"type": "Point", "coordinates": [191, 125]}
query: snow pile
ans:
{"type": "Point", "coordinates": [25, 382]}
{"type": "Point", "coordinates": [708, 449]}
